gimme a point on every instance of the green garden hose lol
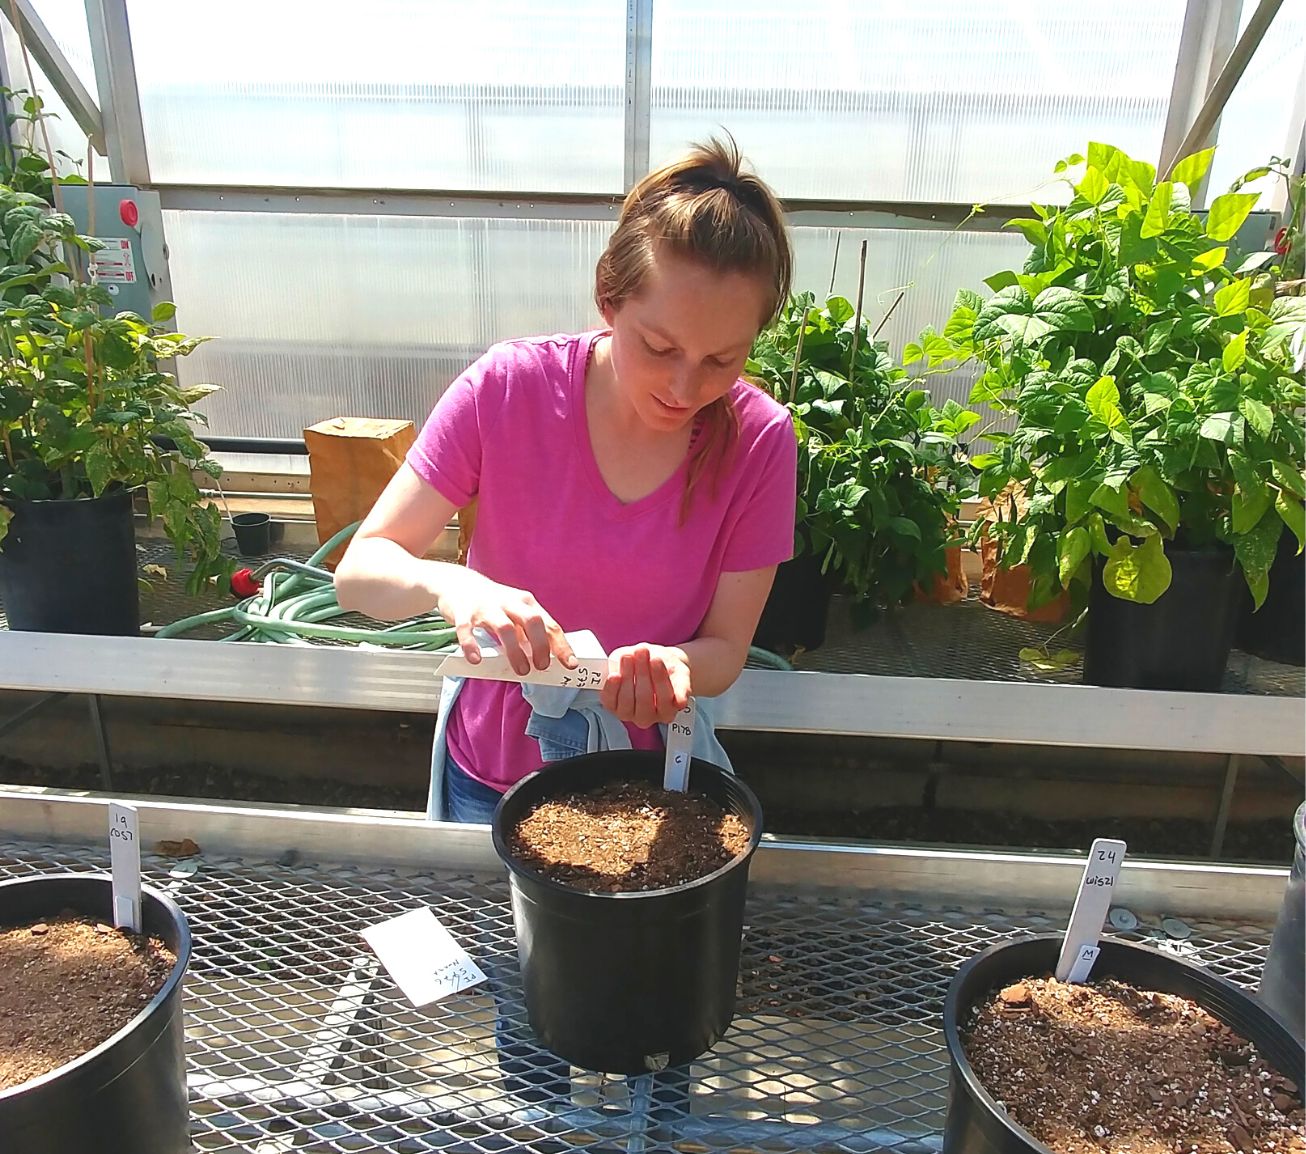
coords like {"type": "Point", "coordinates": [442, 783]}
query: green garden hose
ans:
{"type": "Point", "coordinates": [298, 599]}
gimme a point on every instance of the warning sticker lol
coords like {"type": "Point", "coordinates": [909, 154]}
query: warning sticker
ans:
{"type": "Point", "coordinates": [114, 263]}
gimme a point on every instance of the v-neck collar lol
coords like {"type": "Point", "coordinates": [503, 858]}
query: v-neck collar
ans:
{"type": "Point", "coordinates": [612, 505]}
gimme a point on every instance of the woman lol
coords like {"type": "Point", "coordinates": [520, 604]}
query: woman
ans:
{"type": "Point", "coordinates": [627, 482]}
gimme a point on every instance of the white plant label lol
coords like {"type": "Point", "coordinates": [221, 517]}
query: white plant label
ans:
{"type": "Point", "coordinates": [422, 956]}
{"type": "Point", "coordinates": [1096, 890]}
{"type": "Point", "coordinates": [680, 746]}
{"type": "Point", "coordinates": [591, 671]}
{"type": "Point", "coordinates": [1084, 964]}
{"type": "Point", "coordinates": [125, 864]}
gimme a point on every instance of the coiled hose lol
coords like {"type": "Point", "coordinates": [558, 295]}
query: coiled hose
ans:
{"type": "Point", "coordinates": [298, 599]}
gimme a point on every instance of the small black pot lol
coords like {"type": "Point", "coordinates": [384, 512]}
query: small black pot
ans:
{"type": "Point", "coordinates": [627, 983]}
{"type": "Point", "coordinates": [1181, 641]}
{"type": "Point", "coordinates": [976, 1125]}
{"type": "Point", "coordinates": [70, 566]}
{"type": "Point", "coordinates": [798, 607]}
{"type": "Point", "coordinates": [1277, 630]}
{"type": "Point", "coordinates": [128, 1095]}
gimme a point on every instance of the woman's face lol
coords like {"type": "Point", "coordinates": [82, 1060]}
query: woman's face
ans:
{"type": "Point", "coordinates": [681, 342]}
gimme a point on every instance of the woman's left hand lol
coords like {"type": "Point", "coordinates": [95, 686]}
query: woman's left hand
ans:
{"type": "Point", "coordinates": [647, 684]}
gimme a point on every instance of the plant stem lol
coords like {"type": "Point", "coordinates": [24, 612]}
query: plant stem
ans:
{"type": "Point", "coordinates": [798, 355]}
{"type": "Point", "coordinates": [857, 322]}
{"type": "Point", "coordinates": [834, 266]}
{"type": "Point", "coordinates": [896, 302]}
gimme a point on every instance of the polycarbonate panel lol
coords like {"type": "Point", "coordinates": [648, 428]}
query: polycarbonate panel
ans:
{"type": "Point", "coordinates": [66, 139]}
{"type": "Point", "coordinates": [393, 94]}
{"type": "Point", "coordinates": [66, 22]}
{"type": "Point", "coordinates": [937, 100]}
{"type": "Point", "coordinates": [1257, 121]}
{"type": "Point", "coordinates": [321, 316]}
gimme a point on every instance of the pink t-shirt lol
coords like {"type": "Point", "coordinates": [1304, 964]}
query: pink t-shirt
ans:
{"type": "Point", "coordinates": [512, 431]}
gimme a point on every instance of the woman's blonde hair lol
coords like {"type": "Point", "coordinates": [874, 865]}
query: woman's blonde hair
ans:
{"type": "Point", "coordinates": [706, 208]}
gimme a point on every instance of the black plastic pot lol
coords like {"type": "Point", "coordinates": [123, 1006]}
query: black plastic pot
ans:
{"type": "Point", "coordinates": [626, 983]}
{"type": "Point", "coordinates": [128, 1095]}
{"type": "Point", "coordinates": [253, 533]}
{"type": "Point", "coordinates": [798, 607]}
{"type": "Point", "coordinates": [1277, 630]}
{"type": "Point", "coordinates": [1285, 963]}
{"type": "Point", "coordinates": [70, 566]}
{"type": "Point", "coordinates": [1181, 641]}
{"type": "Point", "coordinates": [976, 1125]}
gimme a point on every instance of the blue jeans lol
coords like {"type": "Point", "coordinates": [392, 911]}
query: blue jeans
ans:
{"type": "Point", "coordinates": [529, 1071]}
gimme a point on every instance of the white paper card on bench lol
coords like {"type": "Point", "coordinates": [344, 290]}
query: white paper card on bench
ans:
{"type": "Point", "coordinates": [680, 745]}
{"type": "Point", "coordinates": [590, 673]}
{"type": "Point", "coordinates": [1096, 889]}
{"type": "Point", "coordinates": [422, 956]}
{"type": "Point", "coordinates": [125, 865]}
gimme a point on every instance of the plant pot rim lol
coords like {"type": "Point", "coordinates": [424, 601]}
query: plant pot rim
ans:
{"type": "Point", "coordinates": [115, 490]}
{"type": "Point", "coordinates": [526, 874]}
{"type": "Point", "coordinates": [952, 1031]}
{"type": "Point", "coordinates": [152, 1006]}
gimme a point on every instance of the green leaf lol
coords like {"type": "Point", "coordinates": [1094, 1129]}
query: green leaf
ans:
{"type": "Point", "coordinates": [1192, 168]}
{"type": "Point", "coordinates": [1212, 258]}
{"type": "Point", "coordinates": [1233, 298]}
{"type": "Point", "coordinates": [99, 467]}
{"type": "Point", "coordinates": [1158, 211]}
{"type": "Point", "coordinates": [1157, 496]}
{"type": "Point", "coordinates": [1079, 494]}
{"type": "Point", "coordinates": [1235, 352]}
{"type": "Point", "coordinates": [840, 310]}
{"type": "Point", "coordinates": [1074, 546]}
{"type": "Point", "coordinates": [905, 527]}
{"type": "Point", "coordinates": [1290, 478]}
{"type": "Point", "coordinates": [1293, 513]}
{"type": "Point", "coordinates": [25, 240]}
{"type": "Point", "coordinates": [1094, 185]}
{"type": "Point", "coordinates": [1228, 213]}
{"type": "Point", "coordinates": [1104, 403]}
{"type": "Point", "coordinates": [1255, 261]}
{"type": "Point", "coordinates": [1251, 496]}
{"type": "Point", "coordinates": [1224, 427]}
{"type": "Point", "coordinates": [1255, 552]}
{"type": "Point", "coordinates": [1113, 499]}
{"type": "Point", "coordinates": [1258, 415]}
{"type": "Point", "coordinates": [164, 311]}
{"type": "Point", "coordinates": [911, 353]}
{"type": "Point", "coordinates": [1064, 310]}
{"type": "Point", "coordinates": [1049, 662]}
{"type": "Point", "coordinates": [1137, 573]}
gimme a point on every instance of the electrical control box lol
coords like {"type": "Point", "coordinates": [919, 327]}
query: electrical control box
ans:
{"type": "Point", "coordinates": [133, 264]}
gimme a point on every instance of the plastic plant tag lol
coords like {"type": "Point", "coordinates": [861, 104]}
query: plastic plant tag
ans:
{"type": "Point", "coordinates": [680, 745]}
{"type": "Point", "coordinates": [125, 864]}
{"type": "Point", "coordinates": [1083, 964]}
{"type": "Point", "coordinates": [422, 956]}
{"type": "Point", "coordinates": [591, 671]}
{"type": "Point", "coordinates": [1091, 904]}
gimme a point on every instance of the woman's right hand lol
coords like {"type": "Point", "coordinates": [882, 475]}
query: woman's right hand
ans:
{"type": "Point", "coordinates": [526, 634]}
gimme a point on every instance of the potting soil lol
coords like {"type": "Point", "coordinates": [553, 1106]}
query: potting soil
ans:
{"type": "Point", "coordinates": [1105, 1067]}
{"type": "Point", "coordinates": [626, 837]}
{"type": "Point", "coordinates": [66, 985]}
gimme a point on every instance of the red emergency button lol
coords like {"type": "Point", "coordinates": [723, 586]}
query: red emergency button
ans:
{"type": "Point", "coordinates": [129, 213]}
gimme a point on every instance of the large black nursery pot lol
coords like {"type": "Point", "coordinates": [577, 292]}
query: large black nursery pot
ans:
{"type": "Point", "coordinates": [1181, 641]}
{"type": "Point", "coordinates": [1277, 630]}
{"type": "Point", "coordinates": [798, 607]}
{"type": "Point", "coordinates": [626, 983]}
{"type": "Point", "coordinates": [975, 1123]}
{"type": "Point", "coordinates": [128, 1095]}
{"type": "Point", "coordinates": [1285, 964]}
{"type": "Point", "coordinates": [70, 566]}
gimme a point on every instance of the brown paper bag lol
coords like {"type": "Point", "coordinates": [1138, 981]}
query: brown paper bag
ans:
{"type": "Point", "coordinates": [351, 460]}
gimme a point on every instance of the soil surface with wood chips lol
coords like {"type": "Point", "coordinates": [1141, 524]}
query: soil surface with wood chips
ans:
{"type": "Point", "coordinates": [627, 837]}
{"type": "Point", "coordinates": [1105, 1067]}
{"type": "Point", "coordinates": [66, 985]}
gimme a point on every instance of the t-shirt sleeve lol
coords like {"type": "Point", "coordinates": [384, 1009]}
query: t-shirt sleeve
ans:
{"type": "Point", "coordinates": [447, 452]}
{"type": "Point", "coordinates": [764, 533]}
